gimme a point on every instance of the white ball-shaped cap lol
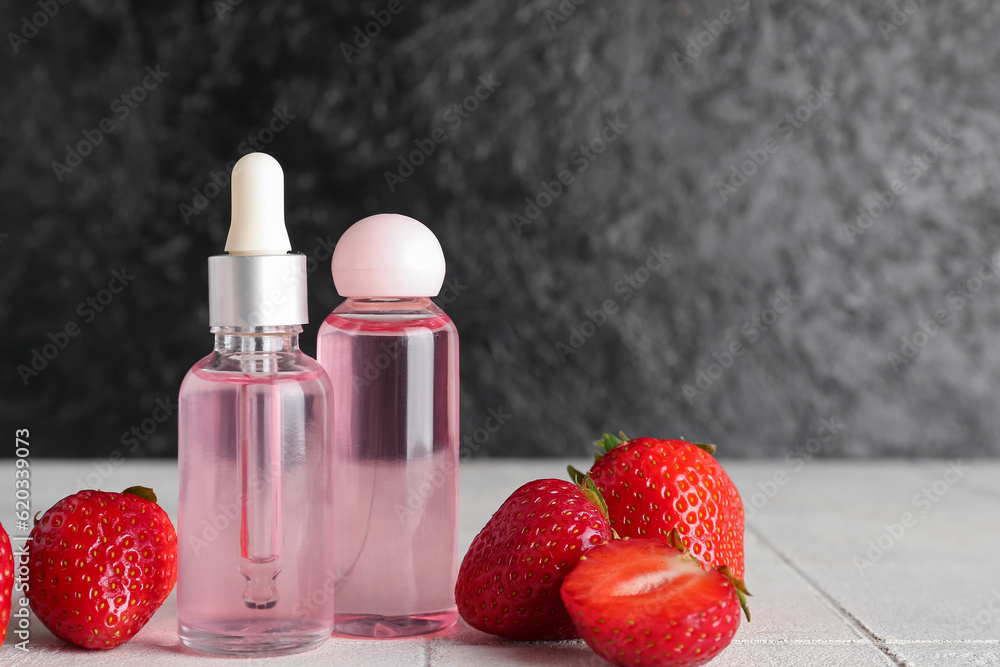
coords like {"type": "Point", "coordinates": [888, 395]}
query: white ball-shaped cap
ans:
{"type": "Point", "coordinates": [388, 255]}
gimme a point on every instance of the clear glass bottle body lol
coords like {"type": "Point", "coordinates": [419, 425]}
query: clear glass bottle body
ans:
{"type": "Point", "coordinates": [254, 574]}
{"type": "Point", "coordinates": [393, 364]}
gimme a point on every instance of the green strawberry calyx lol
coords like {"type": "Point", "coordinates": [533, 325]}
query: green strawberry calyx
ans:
{"type": "Point", "coordinates": [609, 442]}
{"type": "Point", "coordinates": [741, 588]}
{"type": "Point", "coordinates": [674, 539]}
{"type": "Point", "coordinates": [705, 447]}
{"type": "Point", "coordinates": [585, 483]}
{"type": "Point", "coordinates": [143, 492]}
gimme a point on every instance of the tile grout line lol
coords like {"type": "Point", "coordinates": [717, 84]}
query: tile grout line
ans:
{"type": "Point", "coordinates": [428, 652]}
{"type": "Point", "coordinates": [846, 616]}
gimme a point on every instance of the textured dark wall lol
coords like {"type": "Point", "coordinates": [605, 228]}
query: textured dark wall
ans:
{"type": "Point", "coordinates": [739, 141]}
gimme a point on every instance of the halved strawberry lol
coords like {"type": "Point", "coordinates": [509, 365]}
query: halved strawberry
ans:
{"type": "Point", "coordinates": [654, 486]}
{"type": "Point", "coordinates": [509, 581]}
{"type": "Point", "coordinates": [642, 603]}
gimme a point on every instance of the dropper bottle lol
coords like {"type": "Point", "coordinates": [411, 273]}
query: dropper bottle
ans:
{"type": "Point", "coordinates": [255, 469]}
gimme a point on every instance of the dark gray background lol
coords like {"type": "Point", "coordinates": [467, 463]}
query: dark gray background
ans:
{"type": "Point", "coordinates": [694, 102]}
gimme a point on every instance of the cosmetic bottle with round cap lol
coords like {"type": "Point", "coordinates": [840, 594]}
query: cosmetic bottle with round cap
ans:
{"type": "Point", "coordinates": [392, 358]}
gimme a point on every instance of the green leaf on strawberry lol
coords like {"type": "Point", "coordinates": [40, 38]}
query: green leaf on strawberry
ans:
{"type": "Point", "coordinates": [143, 492]}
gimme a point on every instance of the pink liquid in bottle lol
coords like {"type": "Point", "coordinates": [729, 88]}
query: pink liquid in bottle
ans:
{"type": "Point", "coordinates": [393, 364]}
{"type": "Point", "coordinates": [255, 487]}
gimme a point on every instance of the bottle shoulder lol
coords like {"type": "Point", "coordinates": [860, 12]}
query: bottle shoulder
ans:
{"type": "Point", "coordinates": [387, 317]}
{"type": "Point", "coordinates": [256, 367]}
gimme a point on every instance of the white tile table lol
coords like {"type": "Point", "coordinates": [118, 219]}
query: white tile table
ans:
{"type": "Point", "coordinates": [850, 563]}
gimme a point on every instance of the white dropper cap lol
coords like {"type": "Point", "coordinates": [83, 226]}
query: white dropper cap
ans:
{"type": "Point", "coordinates": [388, 255]}
{"type": "Point", "coordinates": [258, 222]}
{"type": "Point", "coordinates": [259, 283]}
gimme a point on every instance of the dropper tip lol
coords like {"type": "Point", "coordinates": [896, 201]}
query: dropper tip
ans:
{"type": "Point", "coordinates": [258, 222]}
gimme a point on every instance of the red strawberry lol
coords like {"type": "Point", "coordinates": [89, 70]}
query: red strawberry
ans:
{"type": "Point", "coordinates": [509, 581]}
{"type": "Point", "coordinates": [101, 564]}
{"type": "Point", "coordinates": [6, 581]}
{"type": "Point", "coordinates": [641, 603]}
{"type": "Point", "coordinates": [653, 486]}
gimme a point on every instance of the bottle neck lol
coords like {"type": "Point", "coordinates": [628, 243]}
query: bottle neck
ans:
{"type": "Point", "coordinates": [365, 314]}
{"type": "Point", "coordinates": [257, 339]}
{"type": "Point", "coordinates": [388, 304]}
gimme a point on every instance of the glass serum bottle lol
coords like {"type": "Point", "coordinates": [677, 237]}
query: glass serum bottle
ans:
{"type": "Point", "coordinates": [255, 508]}
{"type": "Point", "coordinates": [392, 356]}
